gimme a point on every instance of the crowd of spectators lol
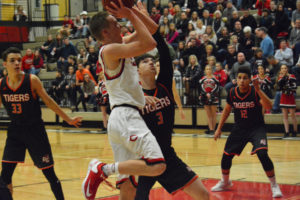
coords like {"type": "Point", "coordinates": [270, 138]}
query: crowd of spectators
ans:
{"type": "Point", "coordinates": [226, 34]}
{"type": "Point", "coordinates": [217, 33]}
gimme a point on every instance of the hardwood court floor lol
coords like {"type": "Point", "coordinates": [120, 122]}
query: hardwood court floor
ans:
{"type": "Point", "coordinates": [73, 151]}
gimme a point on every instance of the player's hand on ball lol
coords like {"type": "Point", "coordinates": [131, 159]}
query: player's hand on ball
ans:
{"type": "Point", "coordinates": [150, 100]}
{"type": "Point", "coordinates": [218, 133]}
{"type": "Point", "coordinates": [118, 11]}
{"type": "Point", "coordinates": [75, 121]}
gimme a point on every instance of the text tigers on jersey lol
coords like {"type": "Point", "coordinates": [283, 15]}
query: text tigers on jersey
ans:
{"type": "Point", "coordinates": [16, 97]}
{"type": "Point", "coordinates": [162, 103]}
{"type": "Point", "coordinates": [243, 105]}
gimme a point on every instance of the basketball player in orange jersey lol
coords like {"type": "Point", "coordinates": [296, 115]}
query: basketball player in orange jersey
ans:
{"type": "Point", "coordinates": [20, 94]}
{"type": "Point", "coordinates": [249, 126]}
{"type": "Point", "coordinates": [135, 149]}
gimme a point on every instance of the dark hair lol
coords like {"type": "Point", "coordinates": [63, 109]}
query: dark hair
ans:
{"type": "Point", "coordinates": [258, 50]}
{"type": "Point", "coordinates": [270, 57]}
{"type": "Point", "coordinates": [8, 51]}
{"type": "Point", "coordinates": [266, 10]}
{"type": "Point", "coordinates": [142, 57]}
{"type": "Point", "coordinates": [98, 23]}
{"type": "Point", "coordinates": [264, 29]}
{"type": "Point", "coordinates": [245, 70]}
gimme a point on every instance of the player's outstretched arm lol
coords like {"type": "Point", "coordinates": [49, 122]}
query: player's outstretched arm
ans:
{"type": "Point", "coordinates": [223, 119]}
{"type": "Point", "coordinates": [38, 88]}
{"type": "Point", "coordinates": [264, 99]}
{"type": "Point", "coordinates": [143, 43]}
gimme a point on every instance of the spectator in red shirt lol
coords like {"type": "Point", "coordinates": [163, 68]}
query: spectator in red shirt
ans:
{"type": "Point", "coordinates": [220, 74]}
{"type": "Point", "coordinates": [27, 61]}
{"type": "Point", "coordinates": [262, 4]}
{"type": "Point", "coordinates": [37, 63]}
{"type": "Point", "coordinates": [155, 15]}
{"type": "Point", "coordinates": [67, 27]}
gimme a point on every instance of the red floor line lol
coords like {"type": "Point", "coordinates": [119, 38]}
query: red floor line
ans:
{"type": "Point", "coordinates": [241, 190]}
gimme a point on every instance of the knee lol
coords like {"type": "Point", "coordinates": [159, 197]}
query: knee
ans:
{"type": "Point", "coordinates": [262, 154]}
{"type": "Point", "coordinates": [158, 169]}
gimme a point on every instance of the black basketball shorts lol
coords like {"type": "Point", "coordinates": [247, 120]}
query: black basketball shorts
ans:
{"type": "Point", "coordinates": [33, 138]}
{"type": "Point", "coordinates": [239, 137]}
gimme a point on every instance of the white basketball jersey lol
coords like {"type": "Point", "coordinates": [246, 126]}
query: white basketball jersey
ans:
{"type": "Point", "coordinates": [122, 84]}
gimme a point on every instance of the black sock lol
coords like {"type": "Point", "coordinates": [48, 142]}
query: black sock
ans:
{"type": "Point", "coordinates": [54, 183]}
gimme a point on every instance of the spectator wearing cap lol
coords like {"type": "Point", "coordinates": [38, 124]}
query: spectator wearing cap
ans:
{"type": "Point", "coordinates": [266, 45]}
{"type": "Point", "coordinates": [296, 14]}
{"type": "Point", "coordinates": [284, 54]}
{"type": "Point", "coordinates": [85, 23]}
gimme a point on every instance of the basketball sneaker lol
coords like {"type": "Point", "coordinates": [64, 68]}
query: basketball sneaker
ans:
{"type": "Point", "coordinates": [94, 177]}
{"type": "Point", "coordinates": [221, 186]}
{"type": "Point", "coordinates": [276, 191]}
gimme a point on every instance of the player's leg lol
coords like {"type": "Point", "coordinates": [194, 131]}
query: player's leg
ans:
{"type": "Point", "coordinates": [40, 151]}
{"type": "Point", "coordinates": [127, 190]}
{"type": "Point", "coordinates": [235, 144]}
{"type": "Point", "coordinates": [197, 190]}
{"type": "Point", "coordinates": [214, 116]}
{"type": "Point", "coordinates": [260, 147]}
{"type": "Point", "coordinates": [7, 173]}
{"type": "Point", "coordinates": [294, 120]}
{"type": "Point", "coordinates": [286, 121]}
{"type": "Point", "coordinates": [269, 170]}
{"type": "Point", "coordinates": [104, 116]}
{"type": "Point", "coordinates": [5, 194]}
{"type": "Point", "coordinates": [209, 117]}
{"type": "Point", "coordinates": [54, 183]}
{"type": "Point", "coordinates": [144, 186]}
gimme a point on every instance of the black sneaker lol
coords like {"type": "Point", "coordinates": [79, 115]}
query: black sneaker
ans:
{"type": "Point", "coordinates": [207, 132]}
{"type": "Point", "coordinates": [286, 135]}
{"type": "Point", "coordinates": [294, 134]}
{"type": "Point", "coordinates": [211, 132]}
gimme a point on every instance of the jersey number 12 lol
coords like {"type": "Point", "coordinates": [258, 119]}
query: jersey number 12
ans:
{"type": "Point", "coordinates": [244, 114]}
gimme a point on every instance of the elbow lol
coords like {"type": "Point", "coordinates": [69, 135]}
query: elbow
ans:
{"type": "Point", "coordinates": [150, 45]}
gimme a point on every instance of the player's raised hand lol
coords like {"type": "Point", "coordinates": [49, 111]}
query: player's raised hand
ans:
{"type": "Point", "coordinates": [140, 7]}
{"type": "Point", "coordinates": [218, 133]}
{"type": "Point", "coordinates": [150, 100]}
{"type": "Point", "coordinates": [75, 121]}
{"type": "Point", "coordinates": [118, 11]}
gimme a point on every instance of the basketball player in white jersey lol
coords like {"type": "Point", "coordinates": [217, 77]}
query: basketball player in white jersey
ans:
{"type": "Point", "coordinates": [136, 150]}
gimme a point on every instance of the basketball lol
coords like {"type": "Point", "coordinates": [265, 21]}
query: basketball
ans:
{"type": "Point", "coordinates": [127, 3]}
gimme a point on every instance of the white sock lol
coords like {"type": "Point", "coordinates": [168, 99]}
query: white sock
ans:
{"type": "Point", "coordinates": [225, 178]}
{"type": "Point", "coordinates": [110, 169]}
{"type": "Point", "coordinates": [272, 180]}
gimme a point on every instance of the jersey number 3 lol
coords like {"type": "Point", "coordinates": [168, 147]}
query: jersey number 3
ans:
{"type": "Point", "coordinates": [160, 118]}
{"type": "Point", "coordinates": [244, 114]}
{"type": "Point", "coordinates": [16, 108]}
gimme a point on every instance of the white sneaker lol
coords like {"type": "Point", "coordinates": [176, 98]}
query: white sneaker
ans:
{"type": "Point", "coordinates": [276, 191]}
{"type": "Point", "coordinates": [221, 186]}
